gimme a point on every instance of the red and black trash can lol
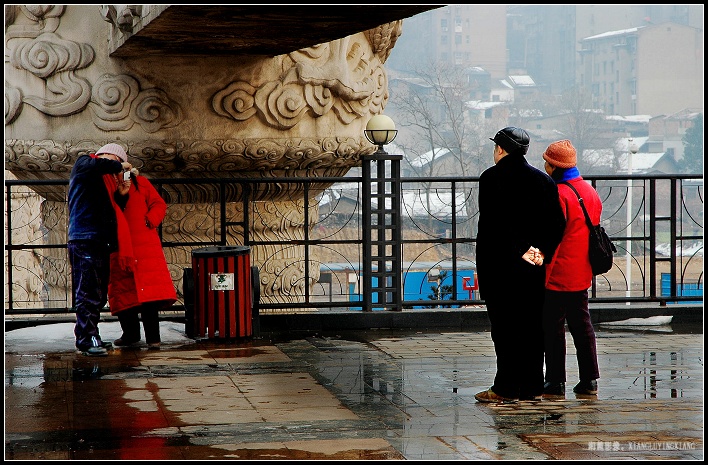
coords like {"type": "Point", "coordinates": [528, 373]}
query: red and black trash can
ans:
{"type": "Point", "coordinates": [223, 300]}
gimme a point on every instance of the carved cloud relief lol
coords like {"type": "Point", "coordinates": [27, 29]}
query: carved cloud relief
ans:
{"type": "Point", "coordinates": [345, 75]}
{"type": "Point", "coordinates": [117, 102]}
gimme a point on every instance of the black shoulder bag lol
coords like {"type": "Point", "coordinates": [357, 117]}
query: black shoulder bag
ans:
{"type": "Point", "coordinates": [601, 248]}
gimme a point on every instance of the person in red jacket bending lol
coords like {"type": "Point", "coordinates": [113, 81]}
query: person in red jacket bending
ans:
{"type": "Point", "coordinates": [140, 281]}
{"type": "Point", "coordinates": [568, 277]}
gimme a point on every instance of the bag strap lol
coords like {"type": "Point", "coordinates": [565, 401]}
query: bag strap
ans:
{"type": "Point", "coordinates": [582, 204]}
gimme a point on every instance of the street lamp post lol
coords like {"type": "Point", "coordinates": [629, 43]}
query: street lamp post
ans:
{"type": "Point", "coordinates": [381, 212]}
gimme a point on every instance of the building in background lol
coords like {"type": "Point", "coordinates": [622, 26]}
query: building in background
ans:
{"type": "Point", "coordinates": [666, 132]}
{"type": "Point", "coordinates": [635, 62]}
{"type": "Point", "coordinates": [549, 43]}
{"type": "Point", "coordinates": [544, 40]}
{"type": "Point", "coordinates": [464, 35]}
{"type": "Point", "coordinates": [643, 70]}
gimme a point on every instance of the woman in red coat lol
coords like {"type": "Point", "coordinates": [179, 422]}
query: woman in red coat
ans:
{"type": "Point", "coordinates": [140, 281]}
{"type": "Point", "coordinates": [568, 277]}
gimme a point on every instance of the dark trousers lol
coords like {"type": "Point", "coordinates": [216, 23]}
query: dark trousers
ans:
{"type": "Point", "coordinates": [518, 342]}
{"type": "Point", "coordinates": [90, 271]}
{"type": "Point", "coordinates": [572, 307]}
{"type": "Point", "coordinates": [130, 322]}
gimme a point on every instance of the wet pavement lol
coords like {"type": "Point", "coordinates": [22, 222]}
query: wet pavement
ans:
{"type": "Point", "coordinates": [364, 395]}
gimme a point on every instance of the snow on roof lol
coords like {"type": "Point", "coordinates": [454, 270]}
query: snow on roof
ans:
{"type": "Point", "coordinates": [614, 33]}
{"type": "Point", "coordinates": [687, 113]}
{"type": "Point", "coordinates": [482, 105]}
{"type": "Point", "coordinates": [522, 80]}
{"type": "Point", "coordinates": [641, 162]}
{"type": "Point", "coordinates": [630, 118]}
{"type": "Point", "coordinates": [623, 144]}
{"type": "Point", "coordinates": [546, 134]}
{"type": "Point", "coordinates": [477, 69]}
{"type": "Point", "coordinates": [505, 83]}
{"type": "Point", "coordinates": [428, 157]}
{"type": "Point", "coordinates": [530, 113]}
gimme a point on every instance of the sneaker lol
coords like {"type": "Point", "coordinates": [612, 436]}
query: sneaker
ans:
{"type": "Point", "coordinates": [554, 389]}
{"type": "Point", "coordinates": [153, 346]}
{"type": "Point", "coordinates": [586, 387]}
{"type": "Point", "coordinates": [107, 345]}
{"type": "Point", "coordinates": [94, 351]}
{"type": "Point", "coordinates": [121, 342]}
{"type": "Point", "coordinates": [490, 396]}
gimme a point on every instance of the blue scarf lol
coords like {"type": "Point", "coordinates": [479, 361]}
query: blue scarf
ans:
{"type": "Point", "coordinates": [565, 174]}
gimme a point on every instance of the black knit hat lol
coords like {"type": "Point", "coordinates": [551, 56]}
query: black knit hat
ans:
{"type": "Point", "coordinates": [512, 140]}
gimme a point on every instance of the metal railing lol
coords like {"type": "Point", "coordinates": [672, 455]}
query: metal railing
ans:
{"type": "Point", "coordinates": [655, 221]}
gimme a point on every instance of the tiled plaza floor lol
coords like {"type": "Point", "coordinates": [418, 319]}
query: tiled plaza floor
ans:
{"type": "Point", "coordinates": [373, 395]}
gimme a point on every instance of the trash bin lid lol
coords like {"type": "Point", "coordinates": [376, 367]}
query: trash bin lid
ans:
{"type": "Point", "coordinates": [221, 251]}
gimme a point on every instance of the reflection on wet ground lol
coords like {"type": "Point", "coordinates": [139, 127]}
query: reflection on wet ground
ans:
{"type": "Point", "coordinates": [371, 395]}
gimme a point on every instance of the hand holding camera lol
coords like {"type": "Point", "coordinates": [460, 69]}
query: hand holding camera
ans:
{"type": "Point", "coordinates": [123, 183]}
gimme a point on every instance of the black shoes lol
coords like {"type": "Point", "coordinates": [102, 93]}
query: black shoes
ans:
{"type": "Point", "coordinates": [123, 342]}
{"type": "Point", "coordinates": [588, 388]}
{"type": "Point", "coordinates": [554, 389]}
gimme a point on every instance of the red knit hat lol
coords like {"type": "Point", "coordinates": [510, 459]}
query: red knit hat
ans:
{"type": "Point", "coordinates": [561, 154]}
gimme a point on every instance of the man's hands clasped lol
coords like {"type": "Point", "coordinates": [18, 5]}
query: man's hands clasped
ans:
{"type": "Point", "coordinates": [534, 256]}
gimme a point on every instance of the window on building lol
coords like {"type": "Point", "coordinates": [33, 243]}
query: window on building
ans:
{"type": "Point", "coordinates": [443, 39]}
{"type": "Point", "coordinates": [458, 39]}
{"type": "Point", "coordinates": [443, 24]}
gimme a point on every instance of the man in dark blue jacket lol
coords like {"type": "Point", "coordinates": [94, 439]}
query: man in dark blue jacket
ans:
{"type": "Point", "coordinates": [520, 226]}
{"type": "Point", "coordinates": [93, 236]}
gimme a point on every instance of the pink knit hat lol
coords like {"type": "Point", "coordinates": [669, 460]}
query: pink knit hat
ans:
{"type": "Point", "coordinates": [561, 154]}
{"type": "Point", "coordinates": [113, 149]}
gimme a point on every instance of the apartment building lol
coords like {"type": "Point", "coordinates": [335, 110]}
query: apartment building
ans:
{"type": "Point", "coordinates": [544, 41]}
{"type": "Point", "coordinates": [464, 35]}
{"type": "Point", "coordinates": [654, 70]}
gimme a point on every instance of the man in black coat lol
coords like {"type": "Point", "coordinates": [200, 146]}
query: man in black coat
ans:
{"type": "Point", "coordinates": [520, 225]}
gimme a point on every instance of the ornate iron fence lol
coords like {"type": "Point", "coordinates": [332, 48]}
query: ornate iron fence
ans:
{"type": "Point", "coordinates": [308, 234]}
